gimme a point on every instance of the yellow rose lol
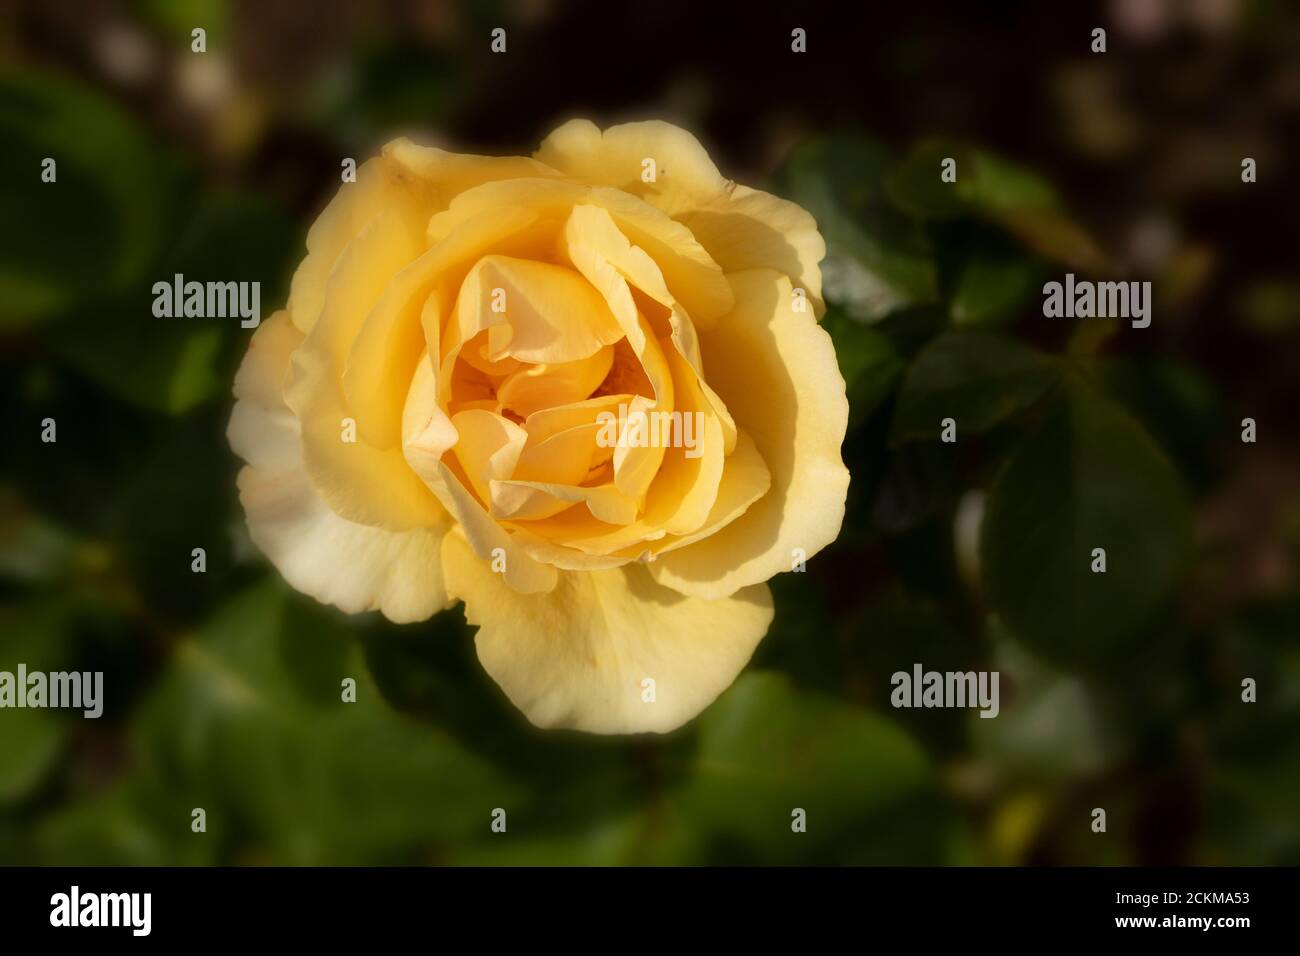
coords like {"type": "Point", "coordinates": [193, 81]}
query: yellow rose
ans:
{"type": "Point", "coordinates": [428, 420]}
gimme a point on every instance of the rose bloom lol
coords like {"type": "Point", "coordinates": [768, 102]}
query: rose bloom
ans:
{"type": "Point", "coordinates": [420, 423]}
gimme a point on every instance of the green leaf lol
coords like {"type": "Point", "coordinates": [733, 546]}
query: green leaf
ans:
{"type": "Point", "coordinates": [917, 483]}
{"type": "Point", "coordinates": [91, 233]}
{"type": "Point", "coordinates": [237, 234]}
{"type": "Point", "coordinates": [991, 285]}
{"type": "Point", "coordinates": [612, 842]}
{"type": "Point", "coordinates": [33, 549]}
{"type": "Point", "coordinates": [1053, 235]}
{"type": "Point", "coordinates": [767, 748]}
{"type": "Point", "coordinates": [985, 183]}
{"type": "Point", "coordinates": [173, 365]}
{"type": "Point", "coordinates": [1049, 725]}
{"type": "Point", "coordinates": [181, 470]}
{"type": "Point", "coordinates": [870, 365]}
{"type": "Point", "coordinates": [287, 771]}
{"type": "Point", "coordinates": [995, 184]}
{"type": "Point", "coordinates": [1176, 402]}
{"type": "Point", "coordinates": [890, 632]}
{"type": "Point", "coordinates": [383, 86]}
{"type": "Point", "coordinates": [162, 365]}
{"type": "Point", "coordinates": [979, 379]}
{"type": "Point", "coordinates": [1087, 477]}
{"type": "Point", "coordinates": [801, 642]}
{"type": "Point", "coordinates": [432, 673]}
{"type": "Point", "coordinates": [877, 259]}
{"type": "Point", "coordinates": [31, 742]}
{"type": "Point", "coordinates": [1254, 748]}
{"type": "Point", "coordinates": [176, 18]}
{"type": "Point", "coordinates": [33, 633]}
{"type": "Point", "coordinates": [994, 189]}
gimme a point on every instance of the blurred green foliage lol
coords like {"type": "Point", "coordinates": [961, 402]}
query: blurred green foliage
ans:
{"type": "Point", "coordinates": [110, 196]}
{"type": "Point", "coordinates": [225, 687]}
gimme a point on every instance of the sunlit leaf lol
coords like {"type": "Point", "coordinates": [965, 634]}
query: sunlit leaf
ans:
{"type": "Point", "coordinates": [981, 181]}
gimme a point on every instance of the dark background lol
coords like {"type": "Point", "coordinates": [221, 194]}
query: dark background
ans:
{"type": "Point", "coordinates": [1120, 691]}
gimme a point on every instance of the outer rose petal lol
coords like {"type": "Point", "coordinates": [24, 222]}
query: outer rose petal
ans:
{"type": "Point", "coordinates": [750, 229]}
{"type": "Point", "coordinates": [417, 180]}
{"type": "Point", "coordinates": [355, 567]}
{"type": "Point", "coordinates": [740, 227]}
{"type": "Point", "coordinates": [690, 273]}
{"type": "Point", "coordinates": [352, 566]}
{"type": "Point", "coordinates": [360, 482]}
{"type": "Point", "coordinates": [576, 657]}
{"type": "Point", "coordinates": [380, 186]}
{"type": "Point", "coordinates": [684, 173]}
{"type": "Point", "coordinates": [776, 370]}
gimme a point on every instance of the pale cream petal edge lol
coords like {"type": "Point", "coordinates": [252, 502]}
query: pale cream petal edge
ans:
{"type": "Point", "coordinates": [354, 567]}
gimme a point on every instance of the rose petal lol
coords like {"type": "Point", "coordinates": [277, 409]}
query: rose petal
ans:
{"type": "Point", "coordinates": [741, 228]}
{"type": "Point", "coordinates": [355, 567]}
{"type": "Point", "coordinates": [578, 657]}
{"type": "Point", "coordinates": [427, 435]}
{"type": "Point", "coordinates": [782, 383]}
{"type": "Point", "coordinates": [360, 482]}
